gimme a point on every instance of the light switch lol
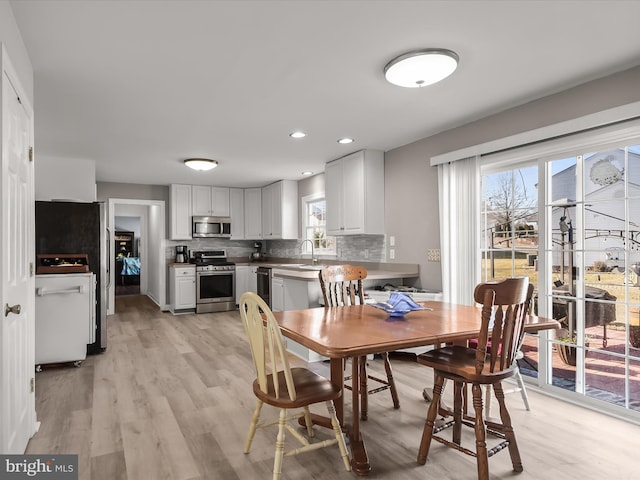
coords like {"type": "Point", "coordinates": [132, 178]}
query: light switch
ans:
{"type": "Point", "coordinates": [392, 253]}
{"type": "Point", "coordinates": [392, 241]}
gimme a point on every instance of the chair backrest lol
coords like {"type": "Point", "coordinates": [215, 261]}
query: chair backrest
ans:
{"type": "Point", "coordinates": [342, 285]}
{"type": "Point", "coordinates": [267, 345]}
{"type": "Point", "coordinates": [505, 306]}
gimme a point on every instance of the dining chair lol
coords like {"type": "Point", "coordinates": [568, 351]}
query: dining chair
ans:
{"type": "Point", "coordinates": [504, 311]}
{"type": "Point", "coordinates": [342, 285]}
{"type": "Point", "coordinates": [519, 385]}
{"type": "Point", "coordinates": [283, 387]}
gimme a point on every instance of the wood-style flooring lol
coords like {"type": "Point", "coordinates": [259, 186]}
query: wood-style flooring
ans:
{"type": "Point", "coordinates": [171, 399]}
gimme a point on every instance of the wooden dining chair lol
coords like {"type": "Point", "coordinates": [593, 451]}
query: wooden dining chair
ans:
{"type": "Point", "coordinates": [342, 285]}
{"type": "Point", "coordinates": [283, 387]}
{"type": "Point", "coordinates": [519, 386]}
{"type": "Point", "coordinates": [504, 311]}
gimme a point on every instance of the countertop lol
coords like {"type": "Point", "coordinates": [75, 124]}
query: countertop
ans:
{"type": "Point", "coordinates": [299, 270]}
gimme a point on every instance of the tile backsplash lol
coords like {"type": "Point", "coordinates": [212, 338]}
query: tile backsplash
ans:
{"type": "Point", "coordinates": [363, 248]}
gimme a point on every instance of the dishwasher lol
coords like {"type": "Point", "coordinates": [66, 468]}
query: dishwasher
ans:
{"type": "Point", "coordinates": [64, 317]}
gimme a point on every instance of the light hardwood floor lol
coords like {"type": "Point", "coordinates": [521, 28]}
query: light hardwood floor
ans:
{"type": "Point", "coordinates": [171, 399]}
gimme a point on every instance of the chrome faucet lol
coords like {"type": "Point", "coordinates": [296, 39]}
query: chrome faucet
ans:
{"type": "Point", "coordinates": [314, 260]}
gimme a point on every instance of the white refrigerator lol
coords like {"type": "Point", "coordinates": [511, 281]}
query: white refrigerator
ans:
{"type": "Point", "coordinates": [65, 320]}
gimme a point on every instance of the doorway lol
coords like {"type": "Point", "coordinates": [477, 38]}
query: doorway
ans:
{"type": "Point", "coordinates": [127, 253]}
{"type": "Point", "coordinates": [145, 219]}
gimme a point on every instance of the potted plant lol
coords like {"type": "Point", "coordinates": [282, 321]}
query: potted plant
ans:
{"type": "Point", "coordinates": [567, 350]}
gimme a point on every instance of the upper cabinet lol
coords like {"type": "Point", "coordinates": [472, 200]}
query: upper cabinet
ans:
{"type": "Point", "coordinates": [280, 210]}
{"type": "Point", "coordinates": [252, 213]}
{"type": "Point", "coordinates": [354, 192]}
{"type": "Point", "coordinates": [210, 201]}
{"type": "Point", "coordinates": [236, 212]}
{"type": "Point", "coordinates": [180, 212]}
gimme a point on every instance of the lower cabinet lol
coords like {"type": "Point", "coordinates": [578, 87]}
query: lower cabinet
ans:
{"type": "Point", "coordinates": [182, 289]}
{"type": "Point", "coordinates": [246, 280]}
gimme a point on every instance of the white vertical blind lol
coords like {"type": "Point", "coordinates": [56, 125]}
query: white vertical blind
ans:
{"type": "Point", "coordinates": [458, 184]}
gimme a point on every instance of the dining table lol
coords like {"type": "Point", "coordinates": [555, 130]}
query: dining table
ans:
{"type": "Point", "coordinates": [344, 332]}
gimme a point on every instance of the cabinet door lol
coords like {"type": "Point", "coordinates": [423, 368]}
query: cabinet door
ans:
{"type": "Point", "coordinates": [267, 211]}
{"type": "Point", "coordinates": [253, 213]}
{"type": "Point", "coordinates": [242, 281]}
{"type": "Point", "coordinates": [185, 292]}
{"type": "Point", "coordinates": [180, 212]}
{"type": "Point", "coordinates": [353, 194]}
{"type": "Point", "coordinates": [333, 197]}
{"type": "Point", "coordinates": [277, 294]}
{"type": "Point", "coordinates": [201, 200]}
{"type": "Point", "coordinates": [252, 285]}
{"type": "Point", "coordinates": [236, 212]}
{"type": "Point", "coordinates": [220, 201]}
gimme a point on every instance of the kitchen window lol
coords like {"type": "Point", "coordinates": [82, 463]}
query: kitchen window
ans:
{"type": "Point", "coordinates": [314, 226]}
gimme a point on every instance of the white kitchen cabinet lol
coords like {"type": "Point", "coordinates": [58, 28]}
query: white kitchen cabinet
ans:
{"type": "Point", "coordinates": [277, 294]}
{"type": "Point", "coordinates": [210, 201]}
{"type": "Point", "coordinates": [180, 212]}
{"type": "Point", "coordinates": [253, 213]}
{"type": "Point", "coordinates": [242, 281]}
{"type": "Point", "coordinates": [280, 210]}
{"type": "Point", "coordinates": [252, 285]}
{"type": "Point", "coordinates": [182, 288]}
{"type": "Point", "coordinates": [236, 212]}
{"type": "Point", "coordinates": [354, 193]}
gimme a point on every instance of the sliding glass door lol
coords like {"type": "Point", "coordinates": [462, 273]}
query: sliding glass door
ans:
{"type": "Point", "coordinates": [577, 226]}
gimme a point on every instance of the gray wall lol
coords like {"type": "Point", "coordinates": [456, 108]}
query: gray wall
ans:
{"type": "Point", "coordinates": [411, 185]}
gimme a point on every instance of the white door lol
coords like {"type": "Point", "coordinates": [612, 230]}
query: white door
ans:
{"type": "Point", "coordinates": [17, 417]}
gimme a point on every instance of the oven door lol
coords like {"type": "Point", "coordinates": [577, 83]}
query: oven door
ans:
{"type": "Point", "coordinates": [217, 289]}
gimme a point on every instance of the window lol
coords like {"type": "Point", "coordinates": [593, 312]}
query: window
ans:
{"type": "Point", "coordinates": [314, 226]}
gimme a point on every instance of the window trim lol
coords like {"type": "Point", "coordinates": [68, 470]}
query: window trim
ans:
{"type": "Point", "coordinates": [305, 249]}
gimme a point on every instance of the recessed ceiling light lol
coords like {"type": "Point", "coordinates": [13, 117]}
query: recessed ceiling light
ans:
{"type": "Point", "coordinates": [345, 140]}
{"type": "Point", "coordinates": [420, 68]}
{"type": "Point", "coordinates": [297, 134]}
{"type": "Point", "coordinates": [201, 163]}
{"type": "Point", "coordinates": [307, 173]}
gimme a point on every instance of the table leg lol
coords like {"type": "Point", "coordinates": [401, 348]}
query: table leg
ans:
{"type": "Point", "coordinates": [359, 458]}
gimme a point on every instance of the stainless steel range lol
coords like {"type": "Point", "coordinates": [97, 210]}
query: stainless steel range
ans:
{"type": "Point", "coordinates": [215, 282]}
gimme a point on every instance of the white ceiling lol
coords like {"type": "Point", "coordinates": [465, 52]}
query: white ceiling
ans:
{"type": "Point", "coordinates": [138, 86]}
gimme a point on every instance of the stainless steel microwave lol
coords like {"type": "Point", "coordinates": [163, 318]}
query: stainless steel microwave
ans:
{"type": "Point", "coordinates": [205, 227]}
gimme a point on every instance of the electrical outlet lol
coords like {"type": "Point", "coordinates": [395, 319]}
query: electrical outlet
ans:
{"type": "Point", "coordinates": [366, 253]}
{"type": "Point", "coordinates": [392, 241]}
{"type": "Point", "coordinates": [392, 254]}
{"type": "Point", "coordinates": [433, 255]}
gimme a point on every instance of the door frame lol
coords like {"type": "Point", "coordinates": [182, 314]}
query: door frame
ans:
{"type": "Point", "coordinates": [155, 257]}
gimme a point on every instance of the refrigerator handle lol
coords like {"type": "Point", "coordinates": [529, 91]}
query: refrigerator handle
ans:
{"type": "Point", "coordinates": [108, 257]}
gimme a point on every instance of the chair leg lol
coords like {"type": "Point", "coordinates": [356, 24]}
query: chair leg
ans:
{"type": "Point", "coordinates": [364, 389]}
{"type": "Point", "coordinates": [339, 437]}
{"type": "Point", "coordinates": [505, 418]}
{"type": "Point", "coordinates": [434, 407]}
{"type": "Point", "coordinates": [277, 461]}
{"type": "Point", "coordinates": [391, 381]}
{"type": "Point", "coordinates": [523, 390]}
{"type": "Point", "coordinates": [487, 402]}
{"type": "Point", "coordinates": [252, 426]}
{"type": "Point", "coordinates": [458, 404]}
{"type": "Point", "coordinates": [307, 421]}
{"type": "Point", "coordinates": [482, 456]}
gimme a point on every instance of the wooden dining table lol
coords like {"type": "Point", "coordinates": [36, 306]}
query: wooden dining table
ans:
{"type": "Point", "coordinates": [355, 331]}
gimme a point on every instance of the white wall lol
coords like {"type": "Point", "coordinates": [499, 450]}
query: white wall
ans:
{"type": "Point", "coordinates": [65, 178]}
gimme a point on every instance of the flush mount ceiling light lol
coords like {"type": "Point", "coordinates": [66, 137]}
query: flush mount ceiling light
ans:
{"type": "Point", "coordinates": [201, 163]}
{"type": "Point", "coordinates": [297, 134]}
{"type": "Point", "coordinates": [345, 140]}
{"type": "Point", "coordinates": [307, 173]}
{"type": "Point", "coordinates": [420, 68]}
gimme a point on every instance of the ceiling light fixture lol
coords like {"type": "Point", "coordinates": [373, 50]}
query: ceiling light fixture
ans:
{"type": "Point", "coordinates": [420, 68]}
{"type": "Point", "coordinates": [297, 134]}
{"type": "Point", "coordinates": [307, 173]}
{"type": "Point", "coordinates": [345, 140]}
{"type": "Point", "coordinates": [201, 163]}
